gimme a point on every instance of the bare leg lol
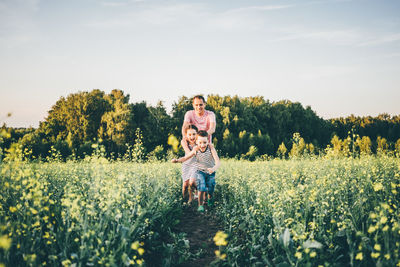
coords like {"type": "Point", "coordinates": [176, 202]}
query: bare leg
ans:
{"type": "Point", "coordinates": [184, 187]}
{"type": "Point", "coordinates": [190, 194]}
{"type": "Point", "coordinates": [199, 196]}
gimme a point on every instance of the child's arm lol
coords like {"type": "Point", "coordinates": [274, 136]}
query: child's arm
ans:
{"type": "Point", "coordinates": [186, 157]}
{"type": "Point", "coordinates": [216, 160]}
{"type": "Point", "coordinates": [185, 146]}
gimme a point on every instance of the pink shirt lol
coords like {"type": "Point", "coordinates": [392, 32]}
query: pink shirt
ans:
{"type": "Point", "coordinates": [203, 122]}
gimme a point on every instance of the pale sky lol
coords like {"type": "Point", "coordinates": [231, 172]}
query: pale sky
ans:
{"type": "Point", "coordinates": [340, 57]}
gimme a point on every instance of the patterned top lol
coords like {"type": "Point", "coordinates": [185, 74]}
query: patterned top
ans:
{"type": "Point", "coordinates": [189, 167]}
{"type": "Point", "coordinates": [203, 122]}
{"type": "Point", "coordinates": [204, 160]}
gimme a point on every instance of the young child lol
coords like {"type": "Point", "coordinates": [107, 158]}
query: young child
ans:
{"type": "Point", "coordinates": [188, 167]}
{"type": "Point", "coordinates": [207, 162]}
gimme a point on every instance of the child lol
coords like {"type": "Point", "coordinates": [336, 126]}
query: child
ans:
{"type": "Point", "coordinates": [207, 162]}
{"type": "Point", "coordinates": [188, 167]}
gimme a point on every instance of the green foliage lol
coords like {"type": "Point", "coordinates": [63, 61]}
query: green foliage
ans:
{"type": "Point", "coordinates": [311, 211]}
{"type": "Point", "coordinates": [382, 146]}
{"type": "Point", "coordinates": [174, 143]}
{"type": "Point", "coordinates": [247, 127]}
{"type": "Point", "coordinates": [282, 150]}
{"type": "Point", "coordinates": [116, 123]}
{"type": "Point", "coordinates": [158, 154]}
{"type": "Point", "coordinates": [87, 213]}
{"type": "Point", "coordinates": [138, 151]}
{"type": "Point", "coordinates": [397, 147]}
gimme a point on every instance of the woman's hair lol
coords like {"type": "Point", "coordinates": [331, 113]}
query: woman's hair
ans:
{"type": "Point", "coordinates": [191, 126]}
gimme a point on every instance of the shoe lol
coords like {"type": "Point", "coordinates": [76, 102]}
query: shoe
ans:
{"type": "Point", "coordinates": [210, 202]}
{"type": "Point", "coordinates": [200, 209]}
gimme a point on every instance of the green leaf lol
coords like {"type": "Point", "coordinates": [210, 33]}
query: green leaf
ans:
{"type": "Point", "coordinates": [286, 237]}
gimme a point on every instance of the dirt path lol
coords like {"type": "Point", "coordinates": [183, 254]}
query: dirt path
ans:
{"type": "Point", "coordinates": [200, 228]}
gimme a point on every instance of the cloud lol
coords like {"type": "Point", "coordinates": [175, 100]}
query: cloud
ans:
{"type": "Point", "coordinates": [119, 3]}
{"type": "Point", "coordinates": [339, 37]}
{"type": "Point", "coordinates": [194, 14]}
{"type": "Point", "coordinates": [150, 14]}
{"type": "Point", "coordinates": [381, 40]}
{"type": "Point", "coordinates": [258, 8]}
{"type": "Point", "coordinates": [321, 72]}
{"type": "Point", "coordinates": [334, 37]}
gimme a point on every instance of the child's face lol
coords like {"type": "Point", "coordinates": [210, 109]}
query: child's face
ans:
{"type": "Point", "coordinates": [191, 135]}
{"type": "Point", "coordinates": [202, 142]}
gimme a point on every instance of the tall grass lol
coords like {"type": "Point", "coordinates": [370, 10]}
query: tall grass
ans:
{"type": "Point", "coordinates": [85, 213]}
{"type": "Point", "coordinates": [336, 212]}
{"type": "Point", "coordinates": [299, 212]}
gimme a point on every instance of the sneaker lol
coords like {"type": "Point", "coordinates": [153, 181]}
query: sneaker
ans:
{"type": "Point", "coordinates": [210, 202]}
{"type": "Point", "coordinates": [200, 209]}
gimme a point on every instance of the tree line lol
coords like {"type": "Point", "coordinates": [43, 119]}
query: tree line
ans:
{"type": "Point", "coordinates": [247, 127]}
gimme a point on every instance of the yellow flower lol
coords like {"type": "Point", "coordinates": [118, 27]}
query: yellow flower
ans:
{"type": "Point", "coordinates": [13, 209]}
{"type": "Point", "coordinates": [140, 251]}
{"type": "Point", "coordinates": [371, 229]}
{"type": "Point", "coordinates": [383, 220]}
{"type": "Point", "coordinates": [135, 245]}
{"type": "Point", "coordinates": [373, 215]}
{"type": "Point", "coordinates": [33, 211]}
{"type": "Point", "coordinates": [313, 254]}
{"type": "Point", "coordinates": [375, 255]}
{"type": "Point", "coordinates": [139, 262]}
{"type": "Point", "coordinates": [359, 256]}
{"type": "Point", "coordinates": [378, 187]}
{"type": "Point", "coordinates": [387, 256]}
{"type": "Point", "coordinates": [5, 242]}
{"type": "Point", "coordinates": [219, 238]}
{"type": "Point", "coordinates": [377, 247]}
{"type": "Point", "coordinates": [219, 255]}
{"type": "Point", "coordinates": [298, 255]}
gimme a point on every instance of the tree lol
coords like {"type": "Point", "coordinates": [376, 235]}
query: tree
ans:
{"type": "Point", "coordinates": [76, 118]}
{"type": "Point", "coordinates": [116, 123]}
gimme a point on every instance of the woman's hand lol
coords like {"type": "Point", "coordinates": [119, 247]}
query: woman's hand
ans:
{"type": "Point", "coordinates": [174, 161]}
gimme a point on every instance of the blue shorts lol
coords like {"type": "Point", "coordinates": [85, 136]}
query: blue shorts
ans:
{"type": "Point", "coordinates": [205, 182]}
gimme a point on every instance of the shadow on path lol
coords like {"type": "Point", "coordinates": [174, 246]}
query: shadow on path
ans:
{"type": "Point", "coordinates": [200, 228]}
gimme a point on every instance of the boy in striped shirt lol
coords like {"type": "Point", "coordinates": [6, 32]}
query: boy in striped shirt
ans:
{"type": "Point", "coordinates": [207, 162]}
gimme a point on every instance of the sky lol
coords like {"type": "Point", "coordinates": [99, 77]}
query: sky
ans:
{"type": "Point", "coordinates": [340, 57]}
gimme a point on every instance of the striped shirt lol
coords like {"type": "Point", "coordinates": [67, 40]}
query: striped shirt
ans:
{"type": "Point", "coordinates": [189, 167]}
{"type": "Point", "coordinates": [204, 160]}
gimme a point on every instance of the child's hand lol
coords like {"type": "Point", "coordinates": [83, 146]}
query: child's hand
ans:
{"type": "Point", "coordinates": [174, 161]}
{"type": "Point", "coordinates": [210, 170]}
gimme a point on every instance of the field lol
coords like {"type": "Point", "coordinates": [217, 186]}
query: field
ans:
{"type": "Point", "coordinates": [321, 211]}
